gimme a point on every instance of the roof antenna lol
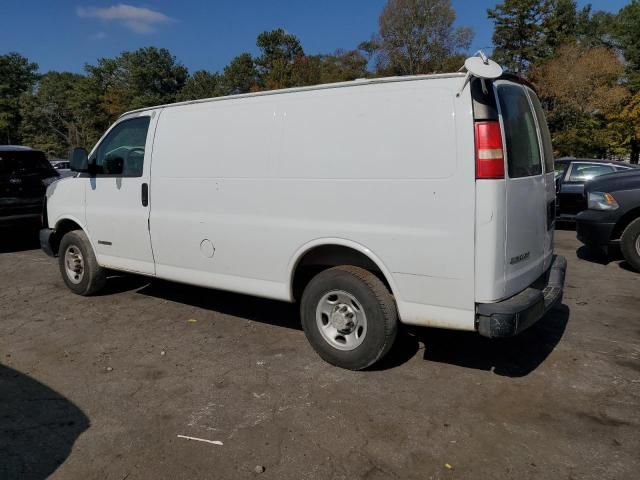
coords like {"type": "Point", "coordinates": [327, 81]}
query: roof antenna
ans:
{"type": "Point", "coordinates": [480, 66]}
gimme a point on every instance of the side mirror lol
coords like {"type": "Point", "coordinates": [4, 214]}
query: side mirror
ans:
{"type": "Point", "coordinates": [78, 160]}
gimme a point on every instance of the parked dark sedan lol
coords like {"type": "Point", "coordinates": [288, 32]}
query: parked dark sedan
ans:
{"type": "Point", "coordinates": [613, 216]}
{"type": "Point", "coordinates": [571, 176]}
{"type": "Point", "coordinates": [24, 176]}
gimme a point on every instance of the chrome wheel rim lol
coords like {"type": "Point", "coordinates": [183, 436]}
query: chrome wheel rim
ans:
{"type": "Point", "coordinates": [74, 264]}
{"type": "Point", "coordinates": [341, 320]}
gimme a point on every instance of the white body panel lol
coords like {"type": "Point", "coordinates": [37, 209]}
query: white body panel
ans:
{"type": "Point", "coordinates": [242, 187]}
{"type": "Point", "coordinates": [69, 202]}
{"type": "Point", "coordinates": [262, 177]}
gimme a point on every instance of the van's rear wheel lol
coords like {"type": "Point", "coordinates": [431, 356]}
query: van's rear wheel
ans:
{"type": "Point", "coordinates": [78, 266]}
{"type": "Point", "coordinates": [630, 244]}
{"type": "Point", "coordinates": [349, 317]}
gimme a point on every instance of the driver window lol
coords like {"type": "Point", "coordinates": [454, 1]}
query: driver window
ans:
{"type": "Point", "coordinates": [121, 153]}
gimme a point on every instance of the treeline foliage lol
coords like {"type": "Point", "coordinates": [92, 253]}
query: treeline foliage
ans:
{"type": "Point", "coordinates": [59, 110]}
{"type": "Point", "coordinates": [585, 65]}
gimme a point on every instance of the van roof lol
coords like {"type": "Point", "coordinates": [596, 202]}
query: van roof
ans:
{"type": "Point", "coordinates": [325, 86]}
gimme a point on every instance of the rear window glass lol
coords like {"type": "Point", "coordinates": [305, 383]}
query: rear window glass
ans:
{"type": "Point", "coordinates": [582, 172]}
{"type": "Point", "coordinates": [21, 162]}
{"type": "Point", "coordinates": [547, 147]}
{"type": "Point", "coordinates": [523, 153]}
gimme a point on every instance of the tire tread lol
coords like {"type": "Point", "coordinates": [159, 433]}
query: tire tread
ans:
{"type": "Point", "coordinates": [627, 244]}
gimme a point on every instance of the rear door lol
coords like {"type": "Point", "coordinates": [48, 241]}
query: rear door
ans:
{"type": "Point", "coordinates": [530, 186]}
{"type": "Point", "coordinates": [544, 139]}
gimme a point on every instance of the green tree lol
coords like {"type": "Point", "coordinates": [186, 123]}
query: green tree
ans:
{"type": "Point", "coordinates": [627, 33]}
{"type": "Point", "coordinates": [146, 77]}
{"type": "Point", "coordinates": [582, 94]}
{"type": "Point", "coordinates": [518, 34]}
{"type": "Point", "coordinates": [201, 84]}
{"type": "Point", "coordinates": [417, 36]}
{"type": "Point", "coordinates": [279, 53]}
{"type": "Point", "coordinates": [343, 66]}
{"type": "Point", "coordinates": [306, 70]}
{"type": "Point", "coordinates": [596, 29]}
{"type": "Point", "coordinates": [560, 25]}
{"type": "Point", "coordinates": [369, 48]}
{"type": "Point", "coordinates": [62, 113]}
{"type": "Point", "coordinates": [625, 129]}
{"type": "Point", "coordinates": [17, 76]}
{"type": "Point", "coordinates": [240, 76]}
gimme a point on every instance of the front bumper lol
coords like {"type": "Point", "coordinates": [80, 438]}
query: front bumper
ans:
{"type": "Point", "coordinates": [595, 228]}
{"type": "Point", "coordinates": [47, 237]}
{"type": "Point", "coordinates": [514, 315]}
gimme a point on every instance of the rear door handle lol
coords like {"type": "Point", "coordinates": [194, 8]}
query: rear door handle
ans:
{"type": "Point", "coordinates": [145, 194]}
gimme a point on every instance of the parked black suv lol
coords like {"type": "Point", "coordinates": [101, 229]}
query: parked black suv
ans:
{"type": "Point", "coordinates": [571, 176]}
{"type": "Point", "coordinates": [24, 176]}
{"type": "Point", "coordinates": [613, 216]}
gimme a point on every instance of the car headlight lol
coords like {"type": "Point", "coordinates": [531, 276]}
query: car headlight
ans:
{"type": "Point", "coordinates": [49, 180]}
{"type": "Point", "coordinates": [601, 201]}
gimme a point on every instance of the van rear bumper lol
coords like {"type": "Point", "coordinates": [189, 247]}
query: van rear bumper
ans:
{"type": "Point", "coordinates": [514, 315]}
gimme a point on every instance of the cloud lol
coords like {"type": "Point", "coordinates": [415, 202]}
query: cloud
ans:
{"type": "Point", "coordinates": [136, 19]}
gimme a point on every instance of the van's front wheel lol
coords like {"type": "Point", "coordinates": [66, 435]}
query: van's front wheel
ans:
{"type": "Point", "coordinates": [349, 317]}
{"type": "Point", "coordinates": [78, 265]}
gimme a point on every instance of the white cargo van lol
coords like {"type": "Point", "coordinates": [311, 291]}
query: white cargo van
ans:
{"type": "Point", "coordinates": [426, 200]}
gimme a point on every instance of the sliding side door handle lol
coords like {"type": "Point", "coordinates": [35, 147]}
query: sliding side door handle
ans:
{"type": "Point", "coordinates": [145, 194]}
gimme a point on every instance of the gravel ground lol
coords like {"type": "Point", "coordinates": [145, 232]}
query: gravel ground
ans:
{"type": "Point", "coordinates": [101, 387]}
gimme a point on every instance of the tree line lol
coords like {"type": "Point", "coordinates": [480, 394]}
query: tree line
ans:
{"type": "Point", "coordinates": [584, 64]}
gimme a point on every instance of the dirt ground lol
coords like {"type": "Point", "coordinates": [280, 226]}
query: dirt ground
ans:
{"type": "Point", "coordinates": [100, 388]}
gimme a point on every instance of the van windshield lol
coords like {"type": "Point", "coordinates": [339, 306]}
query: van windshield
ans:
{"type": "Point", "coordinates": [23, 162]}
{"type": "Point", "coordinates": [523, 151]}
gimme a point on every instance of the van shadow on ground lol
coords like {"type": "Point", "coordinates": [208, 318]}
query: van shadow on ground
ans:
{"type": "Point", "coordinates": [38, 427]}
{"type": "Point", "coordinates": [273, 312]}
{"type": "Point", "coordinates": [512, 357]}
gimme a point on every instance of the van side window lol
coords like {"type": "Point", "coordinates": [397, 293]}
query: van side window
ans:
{"type": "Point", "coordinates": [523, 151]}
{"type": "Point", "coordinates": [121, 153]}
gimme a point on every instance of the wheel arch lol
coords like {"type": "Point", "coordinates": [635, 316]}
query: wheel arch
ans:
{"type": "Point", "coordinates": [321, 254]}
{"type": "Point", "coordinates": [63, 226]}
{"type": "Point", "coordinates": [624, 222]}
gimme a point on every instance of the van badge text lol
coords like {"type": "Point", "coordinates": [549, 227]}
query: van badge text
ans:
{"type": "Point", "coordinates": [519, 258]}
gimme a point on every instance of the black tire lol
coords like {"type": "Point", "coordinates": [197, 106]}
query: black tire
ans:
{"type": "Point", "coordinates": [376, 302]}
{"type": "Point", "coordinates": [93, 276]}
{"type": "Point", "coordinates": [630, 244]}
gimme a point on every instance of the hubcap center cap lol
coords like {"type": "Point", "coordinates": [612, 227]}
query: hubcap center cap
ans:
{"type": "Point", "coordinates": [343, 318]}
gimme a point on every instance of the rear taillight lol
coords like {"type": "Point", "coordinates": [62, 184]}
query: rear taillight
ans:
{"type": "Point", "coordinates": [489, 151]}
